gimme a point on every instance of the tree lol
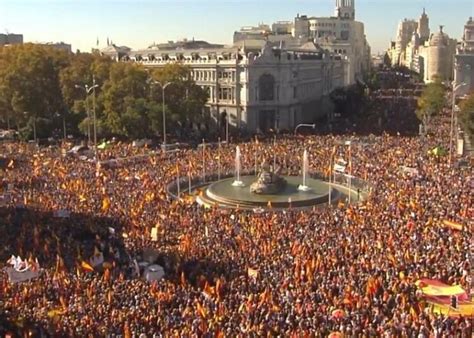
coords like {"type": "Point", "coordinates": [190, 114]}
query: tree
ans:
{"type": "Point", "coordinates": [81, 70]}
{"type": "Point", "coordinates": [125, 99]}
{"type": "Point", "coordinates": [29, 86]}
{"type": "Point", "coordinates": [38, 89]}
{"type": "Point", "coordinates": [350, 100]}
{"type": "Point", "coordinates": [431, 101]}
{"type": "Point", "coordinates": [184, 99]}
{"type": "Point", "coordinates": [466, 116]}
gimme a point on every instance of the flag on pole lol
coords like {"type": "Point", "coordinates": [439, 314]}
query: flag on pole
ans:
{"type": "Point", "coordinates": [86, 266]}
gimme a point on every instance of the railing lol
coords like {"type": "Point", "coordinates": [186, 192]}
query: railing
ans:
{"type": "Point", "coordinates": [357, 185]}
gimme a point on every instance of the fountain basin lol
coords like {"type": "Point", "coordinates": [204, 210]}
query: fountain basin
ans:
{"type": "Point", "coordinates": [224, 194]}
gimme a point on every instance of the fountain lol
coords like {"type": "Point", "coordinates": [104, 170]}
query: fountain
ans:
{"type": "Point", "coordinates": [269, 182]}
{"type": "Point", "coordinates": [304, 186]}
{"type": "Point", "coordinates": [270, 190]}
{"type": "Point", "coordinates": [237, 182]}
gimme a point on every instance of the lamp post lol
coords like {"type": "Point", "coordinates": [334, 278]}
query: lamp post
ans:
{"type": "Point", "coordinates": [348, 143]}
{"type": "Point", "coordinates": [64, 123]}
{"type": "Point", "coordinates": [94, 86]}
{"type": "Point", "coordinates": [203, 160]}
{"type": "Point", "coordinates": [219, 159]}
{"type": "Point", "coordinates": [227, 129]}
{"type": "Point", "coordinates": [163, 87]}
{"type": "Point", "coordinates": [255, 153]}
{"type": "Point", "coordinates": [274, 152]}
{"type": "Point", "coordinates": [304, 125]}
{"type": "Point", "coordinates": [453, 104]}
{"type": "Point", "coordinates": [88, 89]}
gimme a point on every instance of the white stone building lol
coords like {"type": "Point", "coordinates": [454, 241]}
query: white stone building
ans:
{"type": "Point", "coordinates": [438, 55]}
{"type": "Point", "coordinates": [10, 39]}
{"type": "Point", "coordinates": [414, 48]}
{"type": "Point", "coordinates": [339, 34]}
{"type": "Point", "coordinates": [464, 59]}
{"type": "Point", "coordinates": [258, 88]}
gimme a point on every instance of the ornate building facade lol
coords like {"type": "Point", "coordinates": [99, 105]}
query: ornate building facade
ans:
{"type": "Point", "coordinates": [258, 88]}
{"type": "Point", "coordinates": [272, 77]}
{"type": "Point", "coordinates": [339, 34]}
{"type": "Point", "coordinates": [11, 39]}
{"type": "Point", "coordinates": [464, 58]}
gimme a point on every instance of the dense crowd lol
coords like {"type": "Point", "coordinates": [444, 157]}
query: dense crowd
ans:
{"type": "Point", "coordinates": [345, 269]}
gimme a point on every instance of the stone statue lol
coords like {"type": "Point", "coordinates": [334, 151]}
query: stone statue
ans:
{"type": "Point", "coordinates": [268, 181]}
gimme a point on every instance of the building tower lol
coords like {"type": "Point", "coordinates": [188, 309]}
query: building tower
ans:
{"type": "Point", "coordinates": [424, 27]}
{"type": "Point", "coordinates": [345, 9]}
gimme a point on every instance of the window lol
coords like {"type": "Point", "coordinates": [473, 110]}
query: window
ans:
{"type": "Point", "coordinates": [266, 87]}
{"type": "Point", "coordinates": [225, 93]}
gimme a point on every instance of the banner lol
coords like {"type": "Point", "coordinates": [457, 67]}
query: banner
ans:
{"type": "Point", "coordinates": [20, 276]}
{"type": "Point", "coordinates": [431, 287]}
{"type": "Point", "coordinates": [464, 309]}
{"type": "Point", "coordinates": [452, 225]}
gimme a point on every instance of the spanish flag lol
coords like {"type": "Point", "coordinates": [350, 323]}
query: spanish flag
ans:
{"type": "Point", "coordinates": [452, 225]}
{"type": "Point", "coordinates": [252, 273]}
{"type": "Point", "coordinates": [201, 310]}
{"type": "Point", "coordinates": [105, 204]}
{"type": "Point", "coordinates": [86, 266]}
{"type": "Point", "coordinates": [436, 288]}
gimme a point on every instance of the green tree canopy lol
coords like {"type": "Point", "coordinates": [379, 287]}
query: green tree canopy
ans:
{"type": "Point", "coordinates": [29, 82]}
{"type": "Point", "coordinates": [431, 101]}
{"type": "Point", "coordinates": [42, 86]}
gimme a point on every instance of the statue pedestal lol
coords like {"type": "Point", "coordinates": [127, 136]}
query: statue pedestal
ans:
{"type": "Point", "coordinates": [303, 188]}
{"type": "Point", "coordinates": [238, 184]}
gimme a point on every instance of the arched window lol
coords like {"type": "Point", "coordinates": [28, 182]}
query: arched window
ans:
{"type": "Point", "coordinates": [266, 87]}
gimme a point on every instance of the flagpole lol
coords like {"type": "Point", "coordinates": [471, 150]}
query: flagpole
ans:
{"type": "Point", "coordinates": [177, 179]}
{"type": "Point", "coordinates": [256, 145]}
{"type": "Point", "coordinates": [219, 160]}
{"type": "Point", "coordinates": [274, 152]}
{"type": "Point", "coordinates": [350, 173]}
{"type": "Point", "coordinates": [329, 184]}
{"type": "Point", "coordinates": [203, 161]}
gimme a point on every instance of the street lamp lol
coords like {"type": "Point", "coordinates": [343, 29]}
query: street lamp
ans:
{"type": "Point", "coordinates": [453, 104]}
{"type": "Point", "coordinates": [304, 125]}
{"type": "Point", "coordinates": [89, 89]}
{"type": "Point", "coordinates": [349, 143]}
{"type": "Point", "coordinates": [163, 87]}
{"type": "Point", "coordinates": [64, 123]}
{"type": "Point", "coordinates": [87, 111]}
{"type": "Point", "coordinates": [34, 126]}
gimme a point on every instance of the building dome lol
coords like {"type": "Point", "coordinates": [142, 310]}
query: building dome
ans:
{"type": "Point", "coordinates": [439, 38]}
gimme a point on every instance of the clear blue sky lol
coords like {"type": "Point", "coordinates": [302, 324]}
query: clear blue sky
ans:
{"type": "Point", "coordinates": [138, 23]}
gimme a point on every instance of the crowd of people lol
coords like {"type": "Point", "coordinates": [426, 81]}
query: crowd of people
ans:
{"type": "Point", "coordinates": [344, 270]}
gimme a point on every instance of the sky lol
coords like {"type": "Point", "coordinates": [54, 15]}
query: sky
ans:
{"type": "Point", "coordinates": [139, 23]}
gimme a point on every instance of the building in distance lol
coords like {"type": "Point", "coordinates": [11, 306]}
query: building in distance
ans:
{"type": "Point", "coordinates": [257, 86]}
{"type": "Point", "coordinates": [57, 45]}
{"type": "Point", "coordinates": [429, 54]}
{"type": "Point", "coordinates": [11, 39]}
{"type": "Point", "coordinates": [464, 59]}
